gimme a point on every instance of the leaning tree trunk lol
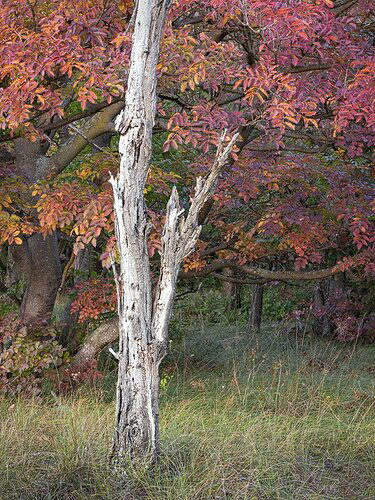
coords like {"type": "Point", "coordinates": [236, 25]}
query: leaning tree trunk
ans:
{"type": "Point", "coordinates": [256, 307]}
{"type": "Point", "coordinates": [143, 326]}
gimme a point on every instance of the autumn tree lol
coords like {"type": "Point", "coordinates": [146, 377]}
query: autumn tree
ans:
{"type": "Point", "coordinates": [54, 72]}
{"type": "Point", "coordinates": [295, 78]}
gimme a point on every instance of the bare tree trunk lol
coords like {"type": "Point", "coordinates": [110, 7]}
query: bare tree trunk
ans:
{"type": "Point", "coordinates": [143, 327]}
{"type": "Point", "coordinates": [255, 313]}
{"type": "Point", "coordinates": [136, 433]}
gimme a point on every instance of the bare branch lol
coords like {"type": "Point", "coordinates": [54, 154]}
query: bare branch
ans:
{"type": "Point", "coordinates": [179, 238]}
{"type": "Point", "coordinates": [257, 272]}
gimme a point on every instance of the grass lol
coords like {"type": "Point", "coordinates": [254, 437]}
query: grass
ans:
{"type": "Point", "coordinates": [267, 416]}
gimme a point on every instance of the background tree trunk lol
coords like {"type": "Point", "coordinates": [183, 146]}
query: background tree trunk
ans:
{"type": "Point", "coordinates": [38, 260]}
{"type": "Point", "coordinates": [232, 291]}
{"type": "Point", "coordinates": [322, 324]}
{"type": "Point", "coordinates": [256, 306]}
{"type": "Point", "coordinates": [66, 321]}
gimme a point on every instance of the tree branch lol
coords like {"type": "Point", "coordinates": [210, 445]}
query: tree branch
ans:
{"type": "Point", "coordinates": [265, 274]}
{"type": "Point", "coordinates": [305, 69]}
{"type": "Point", "coordinates": [231, 279]}
{"type": "Point", "coordinates": [247, 134]}
{"type": "Point", "coordinates": [96, 126]}
{"type": "Point", "coordinates": [79, 116]}
{"type": "Point", "coordinates": [179, 237]}
{"type": "Point", "coordinates": [105, 334]}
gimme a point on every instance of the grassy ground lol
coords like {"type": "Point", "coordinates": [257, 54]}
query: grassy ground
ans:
{"type": "Point", "coordinates": [266, 416]}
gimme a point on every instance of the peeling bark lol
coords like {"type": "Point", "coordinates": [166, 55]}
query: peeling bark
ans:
{"type": "Point", "coordinates": [136, 432]}
{"type": "Point", "coordinates": [143, 326]}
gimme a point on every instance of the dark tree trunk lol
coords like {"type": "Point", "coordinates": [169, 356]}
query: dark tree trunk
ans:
{"type": "Point", "coordinates": [321, 323]}
{"type": "Point", "coordinates": [66, 320]}
{"type": "Point", "coordinates": [37, 259]}
{"type": "Point", "coordinates": [255, 313]}
{"type": "Point", "coordinates": [327, 293]}
{"type": "Point", "coordinates": [232, 291]}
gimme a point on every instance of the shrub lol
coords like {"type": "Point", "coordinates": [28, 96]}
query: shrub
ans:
{"type": "Point", "coordinates": [25, 354]}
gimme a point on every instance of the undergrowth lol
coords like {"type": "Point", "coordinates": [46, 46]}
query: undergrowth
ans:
{"type": "Point", "coordinates": [267, 416]}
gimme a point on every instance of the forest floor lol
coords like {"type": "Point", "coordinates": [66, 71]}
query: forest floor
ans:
{"type": "Point", "coordinates": [243, 416]}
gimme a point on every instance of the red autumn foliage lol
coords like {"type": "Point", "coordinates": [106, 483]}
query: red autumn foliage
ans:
{"type": "Point", "coordinates": [295, 77]}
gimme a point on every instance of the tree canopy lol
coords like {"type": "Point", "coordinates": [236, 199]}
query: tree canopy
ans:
{"type": "Point", "coordinates": [295, 201]}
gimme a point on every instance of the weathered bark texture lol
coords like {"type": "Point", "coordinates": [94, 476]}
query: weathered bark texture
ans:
{"type": "Point", "coordinates": [256, 307]}
{"type": "Point", "coordinates": [136, 432]}
{"type": "Point", "coordinates": [143, 326]}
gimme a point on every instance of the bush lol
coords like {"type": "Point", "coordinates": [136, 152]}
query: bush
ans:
{"type": "Point", "coordinates": [25, 355]}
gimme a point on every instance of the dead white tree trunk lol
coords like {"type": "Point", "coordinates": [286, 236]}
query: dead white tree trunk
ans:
{"type": "Point", "coordinates": [143, 326]}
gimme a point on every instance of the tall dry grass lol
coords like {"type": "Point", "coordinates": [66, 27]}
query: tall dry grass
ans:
{"type": "Point", "coordinates": [242, 417]}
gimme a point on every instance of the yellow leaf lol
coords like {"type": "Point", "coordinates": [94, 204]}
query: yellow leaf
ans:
{"type": "Point", "coordinates": [18, 241]}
